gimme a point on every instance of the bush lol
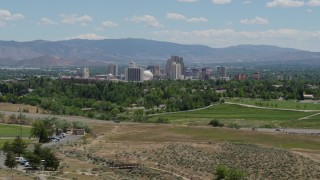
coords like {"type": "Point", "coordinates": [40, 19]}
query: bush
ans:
{"type": "Point", "coordinates": [216, 123]}
{"type": "Point", "coordinates": [235, 174]}
{"type": "Point", "coordinates": [234, 125]}
{"type": "Point", "coordinates": [162, 120]}
{"type": "Point", "coordinates": [221, 172]}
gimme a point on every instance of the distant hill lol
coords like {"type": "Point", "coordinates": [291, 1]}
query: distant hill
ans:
{"type": "Point", "coordinates": [98, 52]}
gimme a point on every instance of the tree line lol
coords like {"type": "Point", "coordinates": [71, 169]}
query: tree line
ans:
{"type": "Point", "coordinates": [104, 100]}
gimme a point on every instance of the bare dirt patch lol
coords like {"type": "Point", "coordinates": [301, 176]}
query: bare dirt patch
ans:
{"type": "Point", "coordinates": [162, 153]}
{"type": "Point", "coordinates": [15, 107]}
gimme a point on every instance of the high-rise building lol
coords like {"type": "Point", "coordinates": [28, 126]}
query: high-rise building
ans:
{"type": "Point", "coordinates": [83, 72]}
{"type": "Point", "coordinates": [156, 71]}
{"type": "Point", "coordinates": [206, 73]}
{"type": "Point", "coordinates": [175, 68]}
{"type": "Point", "coordinates": [222, 70]}
{"type": "Point", "coordinates": [113, 69]}
{"type": "Point", "coordinates": [134, 73]}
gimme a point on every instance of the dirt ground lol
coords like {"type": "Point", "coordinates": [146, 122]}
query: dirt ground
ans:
{"type": "Point", "coordinates": [163, 154]}
{"type": "Point", "coordinates": [15, 107]}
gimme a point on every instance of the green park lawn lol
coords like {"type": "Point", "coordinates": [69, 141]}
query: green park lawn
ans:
{"type": "Point", "coordinates": [286, 104]}
{"type": "Point", "coordinates": [8, 130]}
{"type": "Point", "coordinates": [244, 116]}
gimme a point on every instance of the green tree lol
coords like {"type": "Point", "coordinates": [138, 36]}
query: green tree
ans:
{"type": "Point", "coordinates": [18, 146]}
{"type": "Point", "coordinates": [33, 159]}
{"type": "Point", "coordinates": [40, 130]}
{"type": "Point", "coordinates": [7, 147]}
{"type": "Point", "coordinates": [10, 161]}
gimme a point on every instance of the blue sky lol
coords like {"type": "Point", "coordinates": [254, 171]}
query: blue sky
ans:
{"type": "Point", "coordinates": [216, 23]}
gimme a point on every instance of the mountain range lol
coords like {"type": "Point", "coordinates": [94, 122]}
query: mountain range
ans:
{"type": "Point", "coordinates": [100, 52]}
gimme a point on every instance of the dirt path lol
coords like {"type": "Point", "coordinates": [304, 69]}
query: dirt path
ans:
{"type": "Point", "coordinates": [307, 117]}
{"type": "Point", "coordinates": [182, 111]}
{"type": "Point", "coordinates": [283, 109]}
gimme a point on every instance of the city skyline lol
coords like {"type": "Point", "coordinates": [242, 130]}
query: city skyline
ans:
{"type": "Point", "coordinates": [215, 23]}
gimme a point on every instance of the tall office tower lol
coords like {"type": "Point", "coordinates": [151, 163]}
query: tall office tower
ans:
{"type": "Point", "coordinates": [222, 70]}
{"type": "Point", "coordinates": [83, 72]}
{"type": "Point", "coordinates": [156, 71]}
{"type": "Point", "coordinates": [134, 73]}
{"type": "Point", "coordinates": [86, 73]}
{"type": "Point", "coordinates": [206, 73]}
{"type": "Point", "coordinates": [173, 63]}
{"type": "Point", "coordinates": [113, 69]}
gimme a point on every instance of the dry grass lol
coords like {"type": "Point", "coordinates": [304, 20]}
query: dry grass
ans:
{"type": "Point", "coordinates": [13, 174]}
{"type": "Point", "coordinates": [15, 107]}
{"type": "Point", "coordinates": [192, 152]}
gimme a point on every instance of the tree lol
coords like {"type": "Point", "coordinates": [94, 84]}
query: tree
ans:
{"type": "Point", "coordinates": [40, 131]}
{"type": "Point", "coordinates": [33, 159]}
{"type": "Point", "coordinates": [18, 146]}
{"type": "Point", "coordinates": [7, 147]}
{"type": "Point", "coordinates": [10, 161]}
{"type": "Point", "coordinates": [51, 161]}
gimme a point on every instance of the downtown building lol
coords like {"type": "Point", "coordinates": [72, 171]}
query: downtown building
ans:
{"type": "Point", "coordinates": [113, 69]}
{"type": "Point", "coordinates": [175, 68]}
{"type": "Point", "coordinates": [134, 73]}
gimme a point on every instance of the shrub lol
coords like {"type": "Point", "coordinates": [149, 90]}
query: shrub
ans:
{"type": "Point", "coordinates": [235, 174]}
{"type": "Point", "coordinates": [162, 120]}
{"type": "Point", "coordinates": [216, 123]}
{"type": "Point", "coordinates": [234, 125]}
{"type": "Point", "coordinates": [221, 172]}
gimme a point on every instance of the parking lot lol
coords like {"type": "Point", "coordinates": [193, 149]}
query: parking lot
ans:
{"type": "Point", "coordinates": [65, 140]}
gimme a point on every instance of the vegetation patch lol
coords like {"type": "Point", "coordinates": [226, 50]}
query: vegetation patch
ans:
{"type": "Point", "coordinates": [8, 130]}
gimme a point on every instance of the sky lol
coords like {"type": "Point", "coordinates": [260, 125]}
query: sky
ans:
{"type": "Point", "coordinates": [215, 23]}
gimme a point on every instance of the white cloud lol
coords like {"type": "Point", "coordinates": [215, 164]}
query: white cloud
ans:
{"type": "Point", "coordinates": [256, 20]}
{"type": "Point", "coordinates": [221, 1]}
{"type": "Point", "coordinates": [107, 24]}
{"type": "Point", "coordinates": [150, 21]}
{"type": "Point", "coordinates": [228, 37]}
{"type": "Point", "coordinates": [314, 3]}
{"type": "Point", "coordinates": [75, 19]}
{"type": "Point", "coordinates": [89, 36]}
{"type": "Point", "coordinates": [246, 2]}
{"type": "Point", "coordinates": [180, 17]}
{"type": "Point", "coordinates": [187, 1]}
{"type": "Point", "coordinates": [175, 16]}
{"type": "Point", "coordinates": [46, 21]}
{"type": "Point", "coordinates": [6, 16]}
{"type": "Point", "coordinates": [285, 3]}
{"type": "Point", "coordinates": [195, 20]}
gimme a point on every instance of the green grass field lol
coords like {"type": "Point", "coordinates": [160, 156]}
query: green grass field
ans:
{"type": "Point", "coordinates": [2, 141]}
{"type": "Point", "coordinates": [8, 130]}
{"type": "Point", "coordinates": [286, 104]}
{"type": "Point", "coordinates": [244, 116]}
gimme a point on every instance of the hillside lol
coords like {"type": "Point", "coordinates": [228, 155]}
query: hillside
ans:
{"type": "Point", "coordinates": [83, 52]}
